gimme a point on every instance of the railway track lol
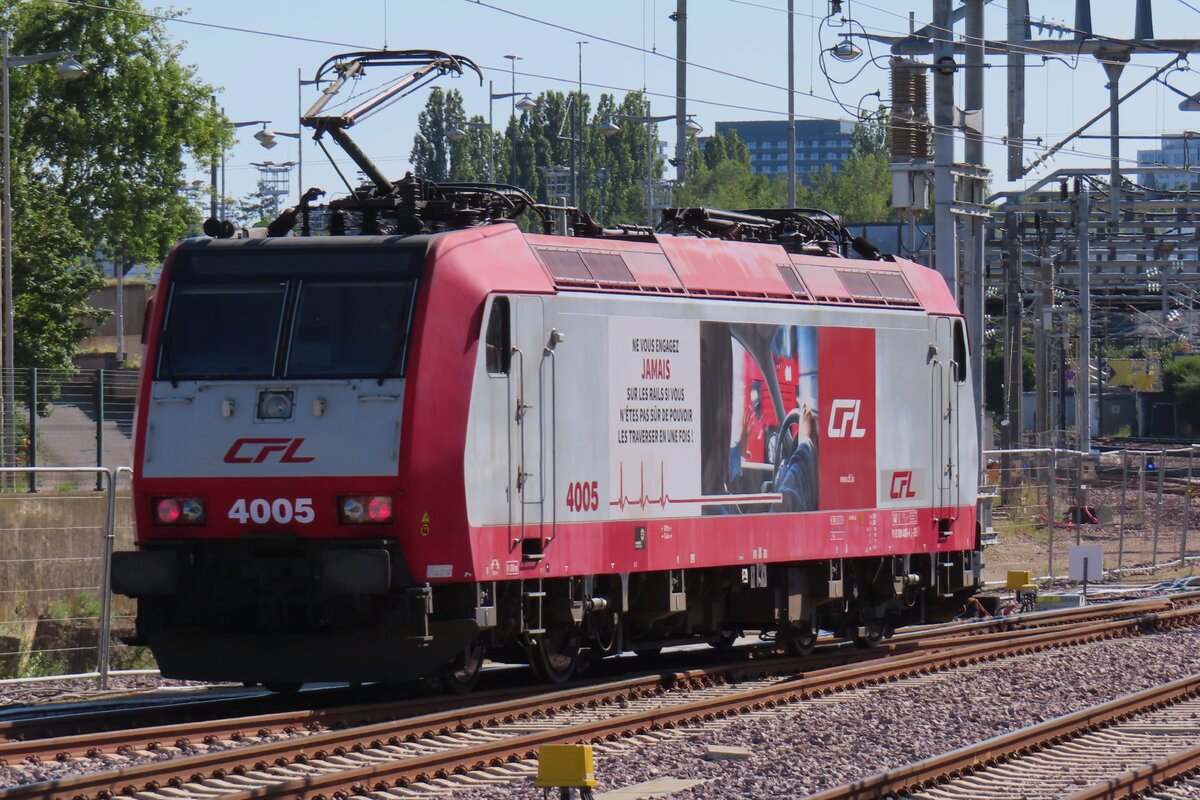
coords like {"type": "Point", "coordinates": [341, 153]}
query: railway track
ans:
{"type": "Point", "coordinates": [182, 725]}
{"type": "Point", "coordinates": [485, 738]}
{"type": "Point", "coordinates": [1073, 757]}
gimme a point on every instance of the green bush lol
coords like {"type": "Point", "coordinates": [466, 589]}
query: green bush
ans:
{"type": "Point", "coordinates": [42, 664]}
{"type": "Point", "coordinates": [83, 605]}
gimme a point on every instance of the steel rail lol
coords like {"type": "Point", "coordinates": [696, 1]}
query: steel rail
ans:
{"type": "Point", "coordinates": [403, 771]}
{"type": "Point", "coordinates": [99, 732]}
{"type": "Point", "coordinates": [369, 720]}
{"type": "Point", "coordinates": [61, 739]}
{"type": "Point", "coordinates": [1143, 779]}
{"type": "Point", "coordinates": [931, 772]}
{"type": "Point", "coordinates": [39, 741]}
{"type": "Point", "coordinates": [45, 745]}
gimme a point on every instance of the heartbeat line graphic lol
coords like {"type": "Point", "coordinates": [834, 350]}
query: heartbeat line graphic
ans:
{"type": "Point", "coordinates": [642, 500]}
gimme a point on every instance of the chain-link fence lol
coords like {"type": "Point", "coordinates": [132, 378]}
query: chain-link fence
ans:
{"type": "Point", "coordinates": [57, 614]}
{"type": "Point", "coordinates": [82, 417]}
{"type": "Point", "coordinates": [1137, 504]}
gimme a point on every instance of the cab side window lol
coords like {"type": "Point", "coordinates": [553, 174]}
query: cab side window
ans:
{"type": "Point", "coordinates": [960, 352]}
{"type": "Point", "coordinates": [498, 341]}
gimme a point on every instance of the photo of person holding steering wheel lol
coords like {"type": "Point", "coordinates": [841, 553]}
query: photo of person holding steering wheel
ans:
{"type": "Point", "coordinates": [759, 416]}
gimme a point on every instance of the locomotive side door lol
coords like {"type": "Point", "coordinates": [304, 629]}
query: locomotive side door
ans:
{"type": "Point", "coordinates": [528, 467]}
{"type": "Point", "coordinates": [947, 371]}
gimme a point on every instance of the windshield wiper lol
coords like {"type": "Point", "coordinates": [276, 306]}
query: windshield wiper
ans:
{"type": "Point", "coordinates": [165, 366]}
{"type": "Point", "coordinates": [390, 364]}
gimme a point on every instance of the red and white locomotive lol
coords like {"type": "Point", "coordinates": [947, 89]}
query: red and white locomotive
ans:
{"type": "Point", "coordinates": [432, 437]}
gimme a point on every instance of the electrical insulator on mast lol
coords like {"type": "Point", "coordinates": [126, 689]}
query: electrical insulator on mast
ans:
{"type": "Point", "coordinates": [910, 117]}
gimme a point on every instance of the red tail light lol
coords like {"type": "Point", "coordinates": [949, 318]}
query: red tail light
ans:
{"type": "Point", "coordinates": [380, 509]}
{"type": "Point", "coordinates": [365, 510]}
{"type": "Point", "coordinates": [179, 511]}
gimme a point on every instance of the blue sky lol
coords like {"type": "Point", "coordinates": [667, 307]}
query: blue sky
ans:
{"type": "Point", "coordinates": [255, 69]}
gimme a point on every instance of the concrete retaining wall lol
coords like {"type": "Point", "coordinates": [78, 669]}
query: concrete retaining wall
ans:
{"type": "Point", "coordinates": [51, 560]}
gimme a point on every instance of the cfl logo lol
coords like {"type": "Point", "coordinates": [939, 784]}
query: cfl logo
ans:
{"type": "Point", "coordinates": [256, 451]}
{"type": "Point", "coordinates": [843, 420]}
{"type": "Point", "coordinates": [902, 484]}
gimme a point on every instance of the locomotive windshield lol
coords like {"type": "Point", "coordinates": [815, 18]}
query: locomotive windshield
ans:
{"type": "Point", "coordinates": [349, 329]}
{"type": "Point", "coordinates": [242, 316]}
{"type": "Point", "coordinates": [222, 329]}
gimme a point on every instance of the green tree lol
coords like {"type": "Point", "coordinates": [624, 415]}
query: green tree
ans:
{"type": "Point", "coordinates": [1181, 382]}
{"type": "Point", "coordinates": [723, 146]}
{"type": "Point", "coordinates": [715, 151]}
{"type": "Point", "coordinates": [432, 149]}
{"type": "Point", "coordinates": [872, 135]}
{"type": "Point", "coordinates": [97, 163]}
{"type": "Point", "coordinates": [722, 178]}
{"type": "Point", "coordinates": [994, 375]}
{"type": "Point", "coordinates": [610, 170]}
{"type": "Point", "coordinates": [469, 155]}
{"type": "Point", "coordinates": [51, 280]}
{"type": "Point", "coordinates": [731, 185]}
{"type": "Point", "coordinates": [860, 191]}
{"type": "Point", "coordinates": [861, 188]}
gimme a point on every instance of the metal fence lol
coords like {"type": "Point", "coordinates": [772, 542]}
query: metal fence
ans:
{"type": "Point", "coordinates": [82, 417]}
{"type": "Point", "coordinates": [57, 614]}
{"type": "Point", "coordinates": [58, 617]}
{"type": "Point", "coordinates": [1138, 504]}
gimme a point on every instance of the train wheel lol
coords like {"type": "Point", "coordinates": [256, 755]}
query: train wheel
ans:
{"type": "Point", "coordinates": [872, 637]}
{"type": "Point", "coordinates": [799, 643]}
{"type": "Point", "coordinates": [725, 640]}
{"type": "Point", "coordinates": [555, 654]}
{"type": "Point", "coordinates": [461, 674]}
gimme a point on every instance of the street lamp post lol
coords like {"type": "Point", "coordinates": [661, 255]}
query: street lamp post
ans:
{"type": "Point", "coordinates": [457, 134]}
{"type": "Point", "coordinates": [577, 131]}
{"type": "Point", "coordinates": [526, 103]}
{"type": "Point", "coordinates": [266, 139]}
{"type": "Point", "coordinates": [610, 128]}
{"type": "Point", "coordinates": [512, 154]}
{"type": "Point", "coordinates": [68, 70]}
{"type": "Point", "coordinates": [218, 203]}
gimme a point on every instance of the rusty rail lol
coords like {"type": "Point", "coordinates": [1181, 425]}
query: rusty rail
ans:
{"type": "Point", "coordinates": [1143, 779]}
{"type": "Point", "coordinates": [411, 769]}
{"type": "Point", "coordinates": [930, 772]}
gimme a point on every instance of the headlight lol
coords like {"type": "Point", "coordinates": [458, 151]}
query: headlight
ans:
{"type": "Point", "coordinates": [275, 404]}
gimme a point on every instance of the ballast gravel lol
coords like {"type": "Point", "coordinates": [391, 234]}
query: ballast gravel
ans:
{"type": "Point", "coordinates": [66, 690]}
{"type": "Point", "coordinates": [827, 742]}
{"type": "Point", "coordinates": [823, 743]}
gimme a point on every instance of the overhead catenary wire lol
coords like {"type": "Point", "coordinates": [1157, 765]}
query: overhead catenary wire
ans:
{"type": "Point", "coordinates": [213, 25]}
{"type": "Point", "coordinates": [962, 37]}
{"type": "Point", "coordinates": [732, 106]}
{"type": "Point", "coordinates": [993, 139]}
{"type": "Point", "coordinates": [580, 32]}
